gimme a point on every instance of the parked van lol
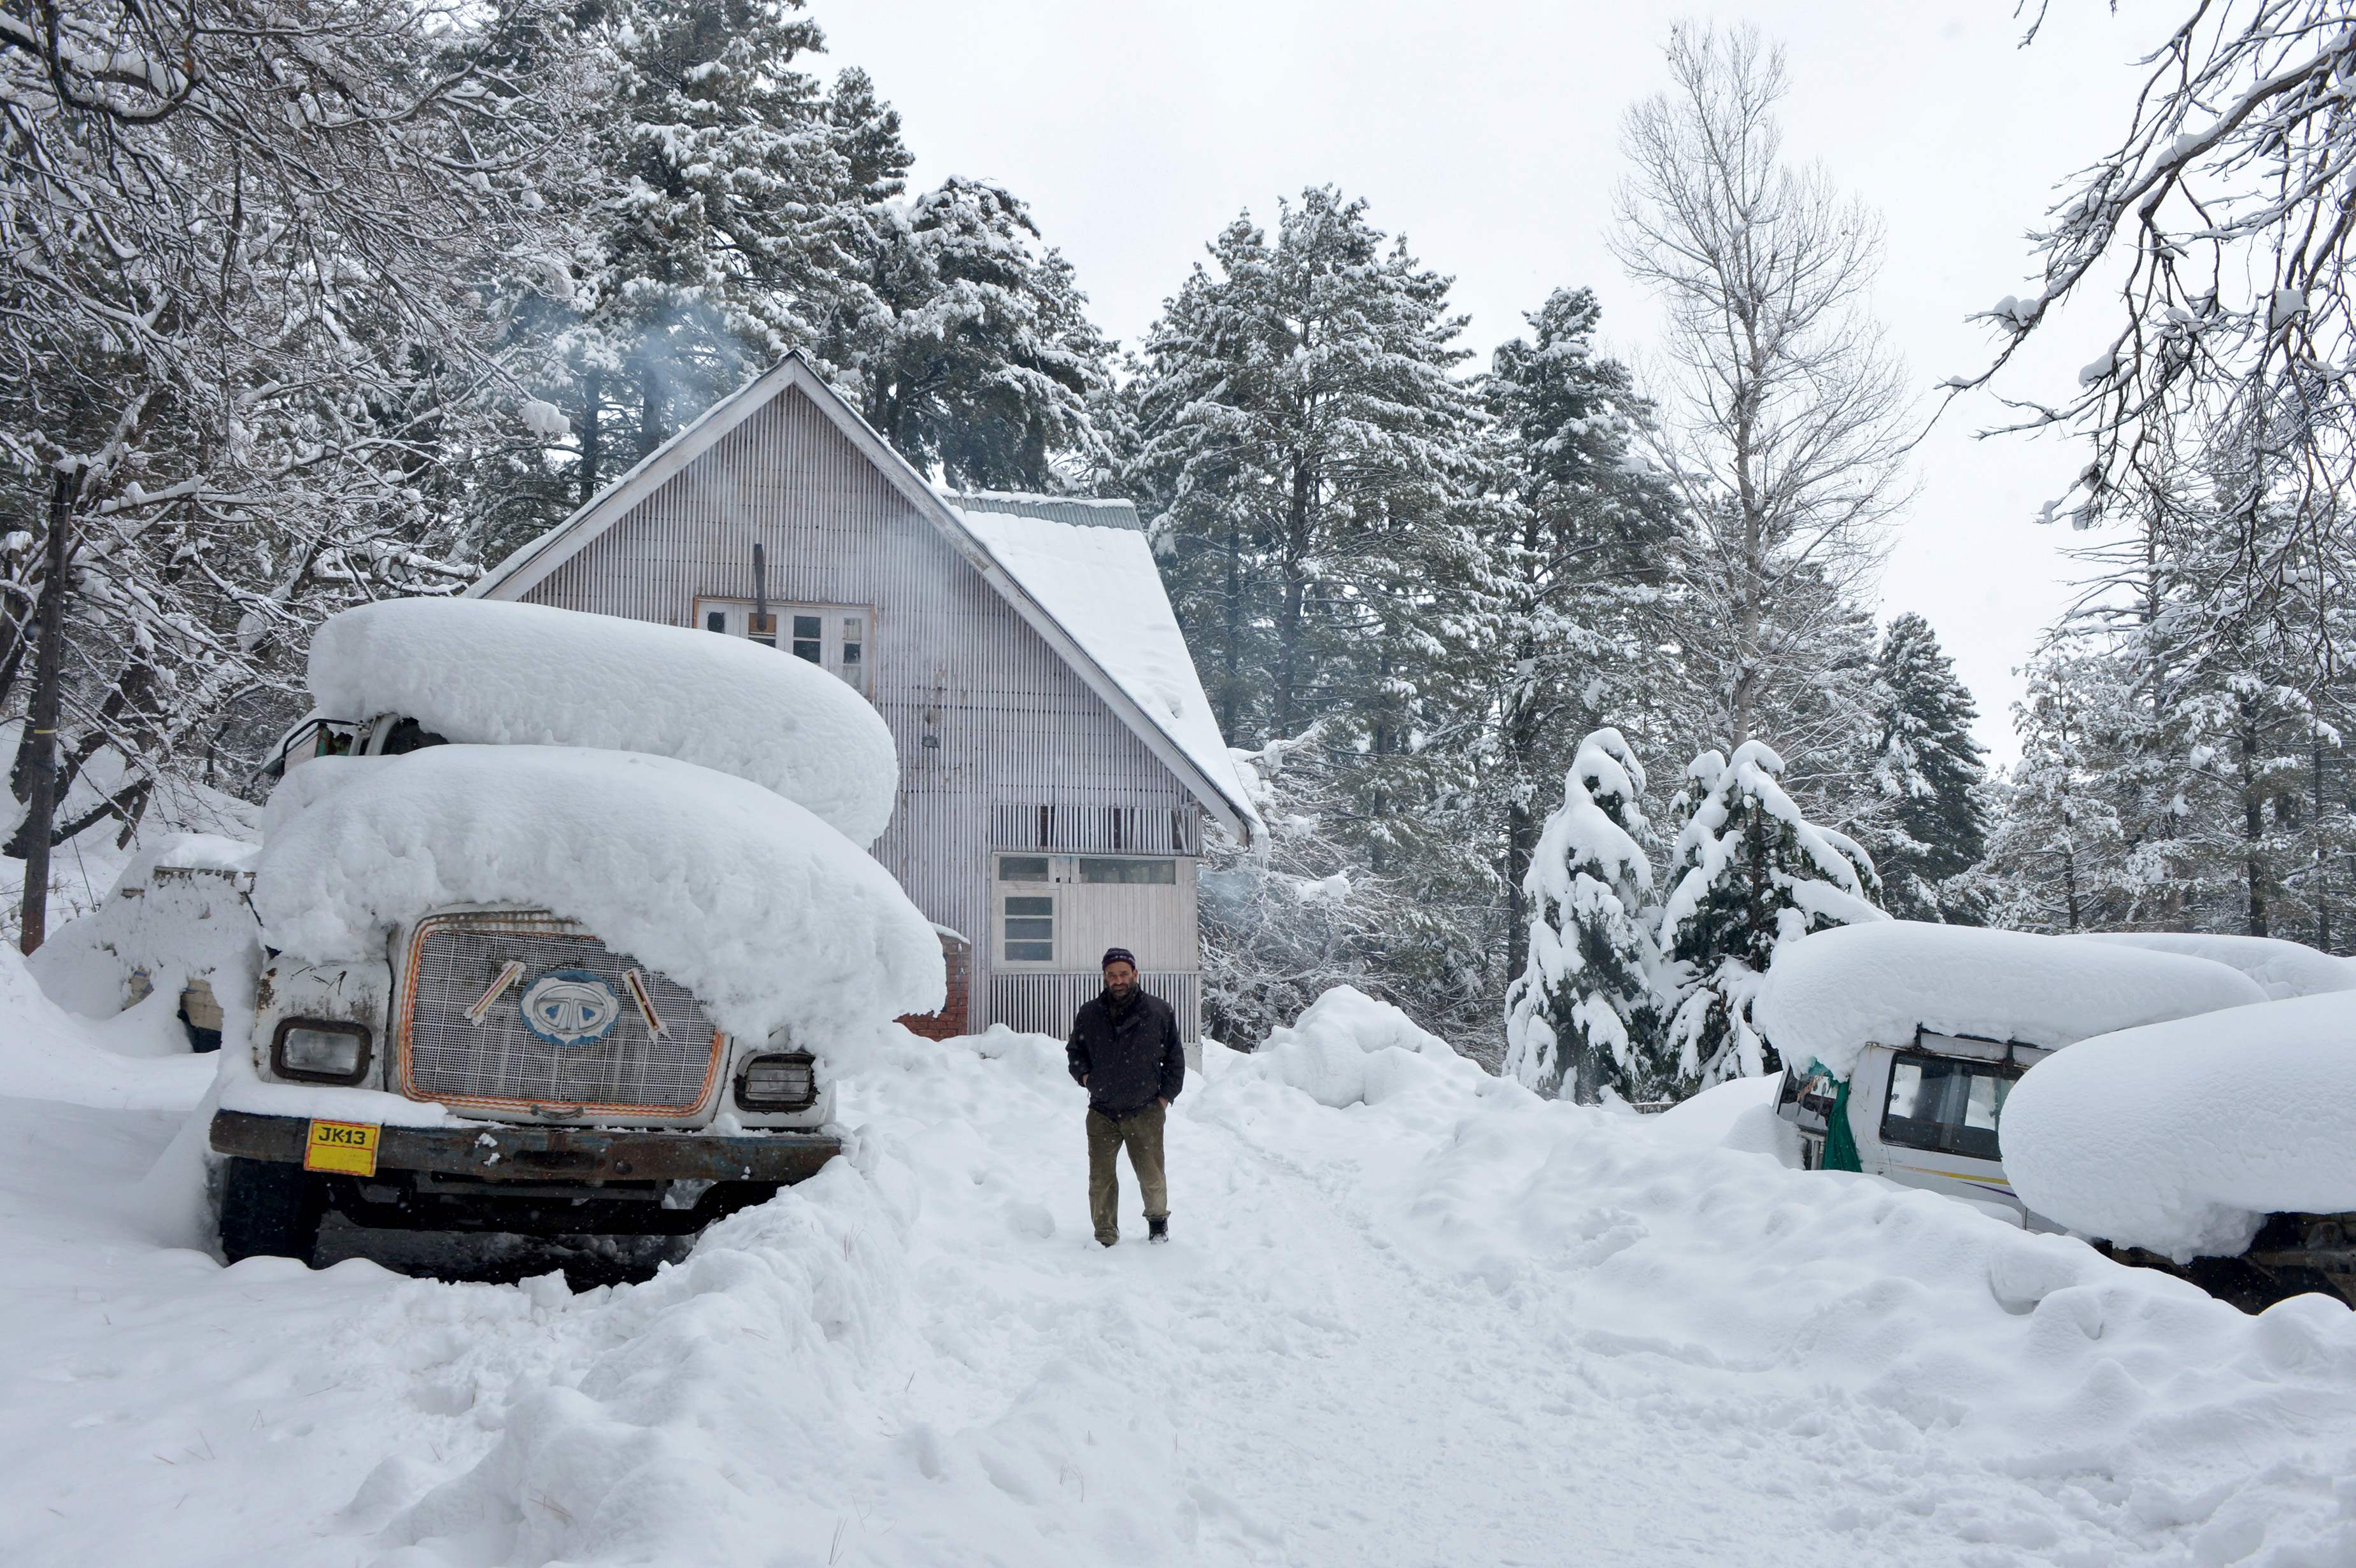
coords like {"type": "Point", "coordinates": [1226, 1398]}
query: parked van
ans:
{"type": "Point", "coordinates": [1901, 1042]}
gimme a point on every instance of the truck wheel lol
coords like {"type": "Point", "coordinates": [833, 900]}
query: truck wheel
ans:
{"type": "Point", "coordinates": [269, 1210]}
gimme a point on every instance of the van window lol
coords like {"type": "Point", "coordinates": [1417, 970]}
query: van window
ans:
{"type": "Point", "coordinates": [1945, 1105]}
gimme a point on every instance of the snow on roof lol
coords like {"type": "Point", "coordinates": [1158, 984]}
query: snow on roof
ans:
{"type": "Point", "coordinates": [1829, 995]}
{"type": "Point", "coordinates": [2179, 1138]}
{"type": "Point", "coordinates": [2282, 969]}
{"type": "Point", "coordinates": [766, 913]}
{"type": "Point", "coordinates": [497, 673]}
{"type": "Point", "coordinates": [1102, 587]}
{"type": "Point", "coordinates": [1080, 511]}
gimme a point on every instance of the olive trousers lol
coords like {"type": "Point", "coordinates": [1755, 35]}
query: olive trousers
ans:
{"type": "Point", "coordinates": [1141, 1134]}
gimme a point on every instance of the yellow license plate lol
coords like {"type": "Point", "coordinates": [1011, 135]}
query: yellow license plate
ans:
{"type": "Point", "coordinates": [347, 1148]}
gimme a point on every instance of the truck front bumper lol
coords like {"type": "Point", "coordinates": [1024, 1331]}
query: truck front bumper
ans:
{"type": "Point", "coordinates": [498, 1153]}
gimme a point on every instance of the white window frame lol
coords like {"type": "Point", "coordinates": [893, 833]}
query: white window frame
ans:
{"type": "Point", "coordinates": [1001, 914]}
{"type": "Point", "coordinates": [837, 622]}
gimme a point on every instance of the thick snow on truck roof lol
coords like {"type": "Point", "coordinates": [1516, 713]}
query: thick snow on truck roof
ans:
{"type": "Point", "coordinates": [2181, 1137]}
{"type": "Point", "coordinates": [767, 914]}
{"type": "Point", "coordinates": [1831, 995]}
{"type": "Point", "coordinates": [490, 672]}
{"type": "Point", "coordinates": [2282, 969]}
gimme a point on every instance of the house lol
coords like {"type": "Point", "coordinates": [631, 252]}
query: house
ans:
{"type": "Point", "coordinates": [1058, 760]}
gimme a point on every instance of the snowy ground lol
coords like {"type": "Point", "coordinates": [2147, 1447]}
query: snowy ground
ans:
{"type": "Point", "coordinates": [1451, 1325]}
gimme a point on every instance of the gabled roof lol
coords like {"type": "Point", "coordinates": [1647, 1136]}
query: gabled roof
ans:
{"type": "Point", "coordinates": [1174, 724]}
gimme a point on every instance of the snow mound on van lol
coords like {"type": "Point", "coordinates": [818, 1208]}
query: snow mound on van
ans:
{"type": "Point", "coordinates": [490, 672]}
{"type": "Point", "coordinates": [2178, 1137]}
{"type": "Point", "coordinates": [1348, 1049]}
{"type": "Point", "coordinates": [2282, 969]}
{"type": "Point", "coordinates": [766, 914]}
{"type": "Point", "coordinates": [1831, 995]}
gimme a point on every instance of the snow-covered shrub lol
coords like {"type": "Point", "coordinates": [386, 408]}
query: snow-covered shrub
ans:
{"type": "Point", "coordinates": [1585, 1009]}
{"type": "Point", "coordinates": [1750, 873]}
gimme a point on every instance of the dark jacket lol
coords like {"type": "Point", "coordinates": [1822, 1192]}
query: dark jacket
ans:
{"type": "Point", "coordinates": [1130, 1055]}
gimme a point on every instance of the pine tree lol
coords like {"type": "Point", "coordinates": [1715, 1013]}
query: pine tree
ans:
{"type": "Point", "coordinates": [1577, 554]}
{"type": "Point", "coordinates": [1929, 769]}
{"type": "Point", "coordinates": [1585, 1009]}
{"type": "Point", "coordinates": [968, 346]}
{"type": "Point", "coordinates": [1317, 480]}
{"type": "Point", "coordinates": [1748, 873]}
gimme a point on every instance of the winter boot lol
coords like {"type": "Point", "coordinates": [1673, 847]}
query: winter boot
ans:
{"type": "Point", "coordinates": [1157, 1230]}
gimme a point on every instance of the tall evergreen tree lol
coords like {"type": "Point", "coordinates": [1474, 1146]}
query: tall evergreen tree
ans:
{"type": "Point", "coordinates": [1585, 1009]}
{"type": "Point", "coordinates": [1748, 873]}
{"type": "Point", "coordinates": [1929, 769]}
{"type": "Point", "coordinates": [968, 344]}
{"type": "Point", "coordinates": [1317, 477]}
{"type": "Point", "coordinates": [1577, 554]}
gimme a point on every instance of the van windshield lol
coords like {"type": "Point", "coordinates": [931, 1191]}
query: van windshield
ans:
{"type": "Point", "coordinates": [1948, 1107]}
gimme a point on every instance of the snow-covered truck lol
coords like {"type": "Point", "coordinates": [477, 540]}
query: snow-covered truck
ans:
{"type": "Point", "coordinates": [564, 916]}
{"type": "Point", "coordinates": [1906, 1045]}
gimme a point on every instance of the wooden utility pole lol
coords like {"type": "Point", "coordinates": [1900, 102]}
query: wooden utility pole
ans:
{"type": "Point", "coordinates": [48, 665]}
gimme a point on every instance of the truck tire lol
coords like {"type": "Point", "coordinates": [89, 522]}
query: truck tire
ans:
{"type": "Point", "coordinates": [269, 1210]}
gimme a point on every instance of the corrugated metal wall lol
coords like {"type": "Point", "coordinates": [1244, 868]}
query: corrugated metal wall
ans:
{"type": "Point", "coordinates": [992, 726]}
{"type": "Point", "coordinates": [1043, 1004]}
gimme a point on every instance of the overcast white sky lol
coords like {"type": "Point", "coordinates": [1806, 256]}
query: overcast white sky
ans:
{"type": "Point", "coordinates": [1487, 133]}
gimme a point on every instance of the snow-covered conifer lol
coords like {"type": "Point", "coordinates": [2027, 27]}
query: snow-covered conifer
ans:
{"type": "Point", "coordinates": [1585, 1011]}
{"type": "Point", "coordinates": [1578, 555]}
{"type": "Point", "coordinates": [968, 343]}
{"type": "Point", "coordinates": [1749, 872]}
{"type": "Point", "coordinates": [1928, 768]}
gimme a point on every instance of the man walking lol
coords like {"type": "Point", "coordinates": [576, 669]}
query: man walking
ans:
{"type": "Point", "coordinates": [1126, 1054]}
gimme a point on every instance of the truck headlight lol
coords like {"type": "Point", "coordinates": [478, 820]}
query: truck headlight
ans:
{"type": "Point", "coordinates": [320, 1051]}
{"type": "Point", "coordinates": [786, 1083]}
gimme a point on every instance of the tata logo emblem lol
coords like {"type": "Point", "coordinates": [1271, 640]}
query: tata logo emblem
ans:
{"type": "Point", "coordinates": [571, 1007]}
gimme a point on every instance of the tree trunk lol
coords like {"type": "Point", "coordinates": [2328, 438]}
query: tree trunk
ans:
{"type": "Point", "coordinates": [650, 410]}
{"type": "Point", "coordinates": [2253, 830]}
{"type": "Point", "coordinates": [42, 724]}
{"type": "Point", "coordinates": [1296, 588]}
{"type": "Point", "coordinates": [592, 453]}
{"type": "Point", "coordinates": [1231, 655]}
{"type": "Point", "coordinates": [2322, 852]}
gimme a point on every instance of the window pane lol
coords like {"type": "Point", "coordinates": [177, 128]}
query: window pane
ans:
{"type": "Point", "coordinates": [1101, 870]}
{"type": "Point", "coordinates": [807, 650]}
{"type": "Point", "coordinates": [715, 620]}
{"type": "Point", "coordinates": [1987, 1099]}
{"type": "Point", "coordinates": [1023, 868]}
{"type": "Point", "coordinates": [852, 628]}
{"type": "Point", "coordinates": [851, 653]}
{"type": "Point", "coordinates": [1026, 928]}
{"type": "Point", "coordinates": [806, 626]}
{"type": "Point", "coordinates": [1031, 951]}
{"type": "Point", "coordinates": [1905, 1088]}
{"type": "Point", "coordinates": [1030, 906]}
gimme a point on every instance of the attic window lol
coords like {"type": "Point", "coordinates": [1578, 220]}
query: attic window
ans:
{"type": "Point", "coordinates": [832, 636]}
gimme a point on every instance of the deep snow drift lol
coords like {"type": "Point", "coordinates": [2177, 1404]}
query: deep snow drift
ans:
{"type": "Point", "coordinates": [1831, 995]}
{"type": "Point", "coordinates": [2180, 1138]}
{"type": "Point", "coordinates": [491, 673]}
{"type": "Point", "coordinates": [767, 914]}
{"type": "Point", "coordinates": [1448, 1323]}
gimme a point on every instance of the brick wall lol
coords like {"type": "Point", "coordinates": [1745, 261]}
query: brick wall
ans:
{"type": "Point", "coordinates": [956, 956]}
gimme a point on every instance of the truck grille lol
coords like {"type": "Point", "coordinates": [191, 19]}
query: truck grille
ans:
{"type": "Point", "coordinates": [601, 1057]}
